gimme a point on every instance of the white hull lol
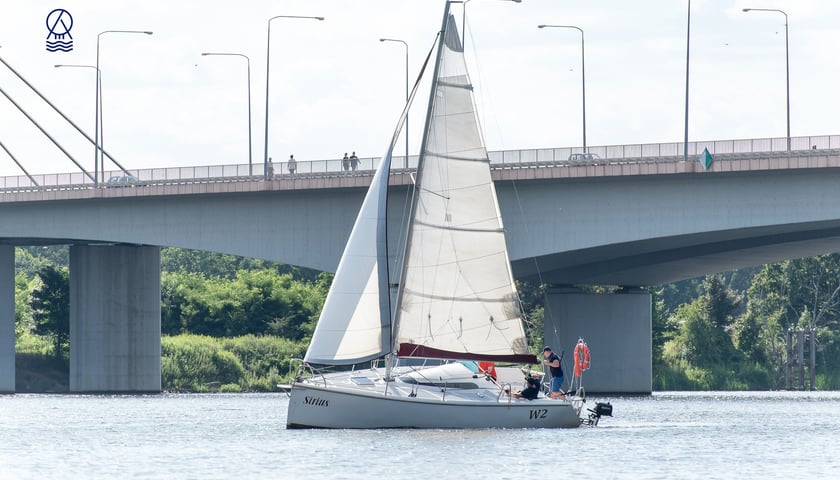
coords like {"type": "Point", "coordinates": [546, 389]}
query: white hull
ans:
{"type": "Point", "coordinates": [338, 401]}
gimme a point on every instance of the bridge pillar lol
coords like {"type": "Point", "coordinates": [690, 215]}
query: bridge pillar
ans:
{"type": "Point", "coordinates": [115, 319]}
{"type": "Point", "coordinates": [617, 329]}
{"type": "Point", "coordinates": [7, 319]}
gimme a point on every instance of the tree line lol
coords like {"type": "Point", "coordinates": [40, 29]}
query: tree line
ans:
{"type": "Point", "coordinates": [725, 331]}
{"type": "Point", "coordinates": [201, 293]}
{"type": "Point", "coordinates": [227, 323]}
{"type": "Point", "coordinates": [730, 331]}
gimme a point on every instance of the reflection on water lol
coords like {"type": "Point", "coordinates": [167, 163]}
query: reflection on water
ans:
{"type": "Point", "coordinates": [667, 435]}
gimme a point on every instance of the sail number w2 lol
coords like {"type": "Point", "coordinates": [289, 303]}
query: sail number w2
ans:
{"type": "Point", "coordinates": [539, 413]}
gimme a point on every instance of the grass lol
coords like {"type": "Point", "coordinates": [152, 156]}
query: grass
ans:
{"type": "Point", "coordinates": [189, 363]}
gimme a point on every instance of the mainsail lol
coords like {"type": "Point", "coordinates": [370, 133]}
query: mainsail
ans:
{"type": "Point", "coordinates": [457, 296]}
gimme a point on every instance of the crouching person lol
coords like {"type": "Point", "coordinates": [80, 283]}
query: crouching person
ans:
{"type": "Point", "coordinates": [531, 390]}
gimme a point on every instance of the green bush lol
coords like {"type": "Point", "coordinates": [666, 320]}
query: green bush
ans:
{"type": "Point", "coordinates": [667, 378]}
{"type": "Point", "coordinates": [205, 364]}
{"type": "Point", "coordinates": [828, 381]}
{"type": "Point", "coordinates": [29, 343]}
{"type": "Point", "coordinates": [198, 363]}
{"type": "Point", "coordinates": [755, 376]}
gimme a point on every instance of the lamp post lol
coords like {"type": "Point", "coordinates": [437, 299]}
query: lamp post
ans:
{"type": "Point", "coordinates": [464, 18]}
{"type": "Point", "coordinates": [248, 62]}
{"type": "Point", "coordinates": [96, 140]}
{"type": "Point", "coordinates": [687, 40]}
{"type": "Point", "coordinates": [582, 72]}
{"type": "Point", "coordinates": [267, 72]}
{"type": "Point", "coordinates": [406, 90]}
{"type": "Point", "coordinates": [787, 63]}
{"type": "Point", "coordinates": [98, 75]}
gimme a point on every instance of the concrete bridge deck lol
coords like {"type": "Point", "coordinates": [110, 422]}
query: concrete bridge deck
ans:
{"type": "Point", "coordinates": [635, 159]}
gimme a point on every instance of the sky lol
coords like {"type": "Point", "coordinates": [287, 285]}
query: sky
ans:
{"type": "Point", "coordinates": [335, 88]}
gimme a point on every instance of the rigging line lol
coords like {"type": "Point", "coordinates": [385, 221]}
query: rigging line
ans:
{"type": "Point", "coordinates": [396, 310]}
{"type": "Point", "coordinates": [46, 134]}
{"type": "Point", "coordinates": [403, 225]}
{"type": "Point", "coordinates": [480, 91]}
{"type": "Point", "coordinates": [65, 118]}
{"type": "Point", "coordinates": [546, 304]}
{"type": "Point", "coordinates": [439, 43]}
{"type": "Point", "coordinates": [409, 198]}
{"type": "Point", "coordinates": [18, 164]}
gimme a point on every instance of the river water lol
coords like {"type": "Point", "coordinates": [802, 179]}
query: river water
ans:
{"type": "Point", "coordinates": [223, 436]}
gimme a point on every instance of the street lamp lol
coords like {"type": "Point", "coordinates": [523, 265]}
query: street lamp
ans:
{"type": "Point", "coordinates": [464, 19]}
{"type": "Point", "coordinates": [582, 72]}
{"type": "Point", "coordinates": [248, 61]}
{"type": "Point", "coordinates": [687, 43]}
{"type": "Point", "coordinates": [98, 75]}
{"type": "Point", "coordinates": [406, 90]}
{"type": "Point", "coordinates": [267, 72]}
{"type": "Point", "coordinates": [787, 63]}
{"type": "Point", "coordinates": [97, 100]}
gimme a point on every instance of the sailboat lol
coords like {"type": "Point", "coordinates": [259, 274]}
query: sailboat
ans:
{"type": "Point", "coordinates": [433, 344]}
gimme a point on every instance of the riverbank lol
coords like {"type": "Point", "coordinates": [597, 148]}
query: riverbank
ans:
{"type": "Point", "coordinates": [36, 373]}
{"type": "Point", "coordinates": [189, 364]}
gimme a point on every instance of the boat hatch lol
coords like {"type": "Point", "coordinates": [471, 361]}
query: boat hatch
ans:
{"type": "Point", "coordinates": [362, 380]}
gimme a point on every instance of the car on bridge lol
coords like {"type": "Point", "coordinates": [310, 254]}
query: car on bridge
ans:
{"type": "Point", "coordinates": [584, 158]}
{"type": "Point", "coordinates": [122, 181]}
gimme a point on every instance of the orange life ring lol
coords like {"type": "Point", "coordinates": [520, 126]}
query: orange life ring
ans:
{"type": "Point", "coordinates": [582, 358]}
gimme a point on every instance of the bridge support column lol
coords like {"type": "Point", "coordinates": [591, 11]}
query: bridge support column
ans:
{"type": "Point", "coordinates": [617, 328]}
{"type": "Point", "coordinates": [7, 319]}
{"type": "Point", "coordinates": [115, 319]}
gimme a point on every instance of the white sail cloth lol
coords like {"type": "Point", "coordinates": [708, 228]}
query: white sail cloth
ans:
{"type": "Point", "coordinates": [458, 297]}
{"type": "Point", "coordinates": [355, 322]}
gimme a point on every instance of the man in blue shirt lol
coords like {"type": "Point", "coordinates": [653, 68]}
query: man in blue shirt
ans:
{"type": "Point", "coordinates": [553, 362]}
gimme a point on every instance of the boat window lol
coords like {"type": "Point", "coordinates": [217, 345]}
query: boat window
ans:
{"type": "Point", "coordinates": [469, 364]}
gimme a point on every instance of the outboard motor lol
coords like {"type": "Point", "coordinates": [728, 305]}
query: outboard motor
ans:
{"type": "Point", "coordinates": [601, 409]}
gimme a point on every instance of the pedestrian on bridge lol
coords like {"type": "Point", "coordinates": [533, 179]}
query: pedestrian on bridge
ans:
{"type": "Point", "coordinates": [270, 169]}
{"type": "Point", "coordinates": [292, 164]}
{"type": "Point", "coordinates": [345, 162]}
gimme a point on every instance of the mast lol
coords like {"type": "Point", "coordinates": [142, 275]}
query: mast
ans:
{"type": "Point", "coordinates": [432, 91]}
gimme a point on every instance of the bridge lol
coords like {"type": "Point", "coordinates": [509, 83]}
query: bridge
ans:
{"type": "Point", "coordinates": [635, 215]}
{"type": "Point", "coordinates": [627, 155]}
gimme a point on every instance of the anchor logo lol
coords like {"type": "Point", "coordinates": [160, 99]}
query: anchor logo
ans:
{"type": "Point", "coordinates": [59, 23]}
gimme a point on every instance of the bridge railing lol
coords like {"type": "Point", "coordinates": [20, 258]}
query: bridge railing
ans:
{"type": "Point", "coordinates": [617, 154]}
{"type": "Point", "coordinates": [653, 152]}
